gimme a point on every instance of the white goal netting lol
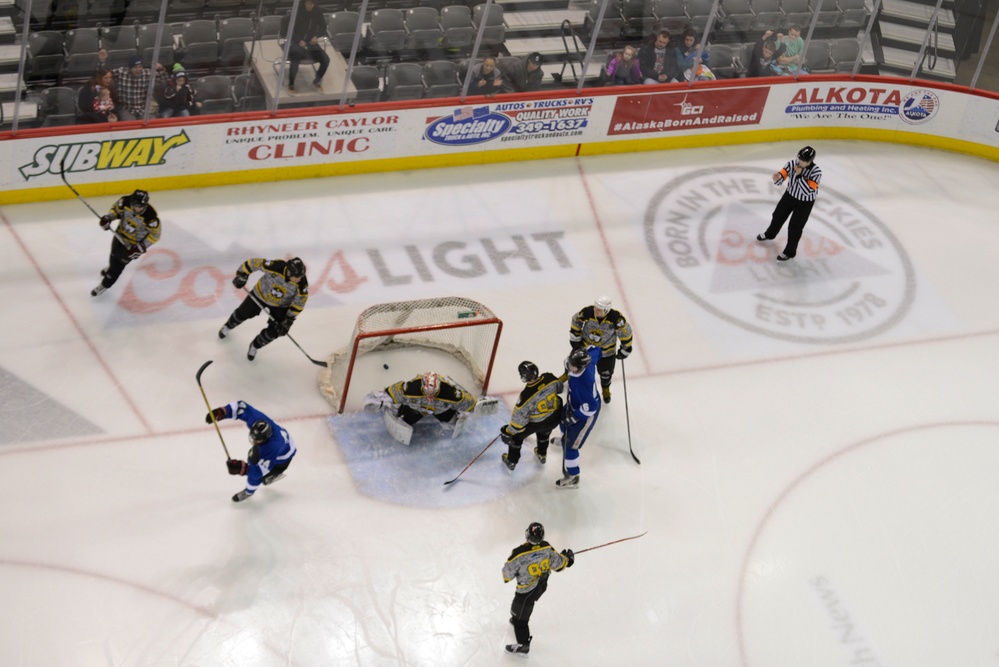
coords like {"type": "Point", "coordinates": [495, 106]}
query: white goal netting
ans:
{"type": "Point", "coordinates": [462, 328]}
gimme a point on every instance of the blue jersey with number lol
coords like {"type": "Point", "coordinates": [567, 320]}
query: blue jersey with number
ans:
{"type": "Point", "coordinates": [279, 448]}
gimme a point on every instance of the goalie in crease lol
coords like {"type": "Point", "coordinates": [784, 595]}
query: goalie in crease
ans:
{"type": "Point", "coordinates": [431, 394]}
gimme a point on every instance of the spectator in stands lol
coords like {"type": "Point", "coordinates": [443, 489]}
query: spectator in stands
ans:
{"type": "Point", "coordinates": [693, 62]}
{"type": "Point", "coordinates": [765, 54]}
{"type": "Point", "coordinates": [178, 97]}
{"type": "Point", "coordinates": [132, 84]}
{"type": "Point", "coordinates": [623, 69]}
{"type": "Point", "coordinates": [793, 46]}
{"type": "Point", "coordinates": [96, 98]}
{"type": "Point", "coordinates": [657, 60]}
{"type": "Point", "coordinates": [309, 27]}
{"type": "Point", "coordinates": [486, 79]}
{"type": "Point", "coordinates": [525, 75]}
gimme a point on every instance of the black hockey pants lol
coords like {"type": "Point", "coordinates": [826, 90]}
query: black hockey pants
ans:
{"type": "Point", "coordinates": [523, 607]}
{"type": "Point", "coordinates": [250, 308]}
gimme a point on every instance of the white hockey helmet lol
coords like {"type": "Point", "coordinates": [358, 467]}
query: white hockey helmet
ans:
{"type": "Point", "coordinates": [431, 384]}
{"type": "Point", "coordinates": [603, 302]}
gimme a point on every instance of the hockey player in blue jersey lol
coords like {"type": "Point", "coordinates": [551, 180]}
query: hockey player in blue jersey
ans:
{"type": "Point", "coordinates": [270, 454]}
{"type": "Point", "coordinates": [582, 407]}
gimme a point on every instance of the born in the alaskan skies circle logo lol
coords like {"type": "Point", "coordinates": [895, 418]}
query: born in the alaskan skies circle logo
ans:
{"type": "Point", "coordinates": [849, 281]}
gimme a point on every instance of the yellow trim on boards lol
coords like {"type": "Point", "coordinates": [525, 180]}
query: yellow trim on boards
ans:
{"type": "Point", "coordinates": [461, 159]}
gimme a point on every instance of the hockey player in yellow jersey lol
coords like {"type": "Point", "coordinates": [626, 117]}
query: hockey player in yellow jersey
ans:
{"type": "Point", "coordinates": [138, 229]}
{"type": "Point", "coordinates": [282, 289]}
{"type": "Point", "coordinates": [602, 326]}
{"type": "Point", "coordinates": [538, 411]}
{"type": "Point", "coordinates": [427, 395]}
{"type": "Point", "coordinates": [531, 564]}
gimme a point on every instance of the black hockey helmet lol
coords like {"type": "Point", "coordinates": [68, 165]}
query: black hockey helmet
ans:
{"type": "Point", "coordinates": [295, 268]}
{"type": "Point", "coordinates": [535, 533]}
{"type": "Point", "coordinates": [140, 200]}
{"type": "Point", "coordinates": [528, 371]}
{"type": "Point", "coordinates": [807, 154]}
{"type": "Point", "coordinates": [578, 358]}
{"type": "Point", "coordinates": [260, 432]}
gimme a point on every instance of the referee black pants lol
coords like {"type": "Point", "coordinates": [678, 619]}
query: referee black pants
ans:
{"type": "Point", "coordinates": [799, 212]}
{"type": "Point", "coordinates": [523, 607]}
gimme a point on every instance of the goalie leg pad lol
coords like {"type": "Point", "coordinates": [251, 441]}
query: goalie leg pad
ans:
{"type": "Point", "coordinates": [400, 431]}
{"type": "Point", "coordinates": [459, 424]}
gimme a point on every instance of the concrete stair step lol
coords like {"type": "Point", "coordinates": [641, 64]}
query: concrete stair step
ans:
{"type": "Point", "coordinates": [898, 62]}
{"type": "Point", "coordinates": [908, 37]}
{"type": "Point", "coordinates": [911, 12]}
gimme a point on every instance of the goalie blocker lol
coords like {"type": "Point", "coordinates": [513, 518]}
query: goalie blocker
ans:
{"type": "Point", "coordinates": [430, 394]}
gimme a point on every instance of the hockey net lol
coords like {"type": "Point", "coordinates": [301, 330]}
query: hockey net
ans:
{"type": "Point", "coordinates": [460, 327]}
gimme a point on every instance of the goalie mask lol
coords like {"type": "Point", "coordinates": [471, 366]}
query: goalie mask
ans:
{"type": "Point", "coordinates": [535, 533]}
{"type": "Point", "coordinates": [260, 432]}
{"type": "Point", "coordinates": [528, 371]}
{"type": "Point", "coordinates": [431, 385]}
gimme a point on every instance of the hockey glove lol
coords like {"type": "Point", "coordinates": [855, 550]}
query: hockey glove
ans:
{"type": "Point", "coordinates": [135, 251]}
{"type": "Point", "coordinates": [506, 437]}
{"type": "Point", "coordinates": [570, 557]}
{"type": "Point", "coordinates": [106, 221]}
{"type": "Point", "coordinates": [219, 414]}
{"type": "Point", "coordinates": [623, 353]}
{"type": "Point", "coordinates": [239, 279]}
{"type": "Point", "coordinates": [236, 467]}
{"type": "Point", "coordinates": [284, 326]}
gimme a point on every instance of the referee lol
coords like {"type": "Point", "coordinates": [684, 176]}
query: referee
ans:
{"type": "Point", "coordinates": [802, 176]}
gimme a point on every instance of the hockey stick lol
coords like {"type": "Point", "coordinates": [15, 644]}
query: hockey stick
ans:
{"type": "Point", "coordinates": [62, 172]}
{"type": "Point", "coordinates": [287, 335]}
{"type": "Point", "coordinates": [209, 405]}
{"type": "Point", "coordinates": [452, 481]}
{"type": "Point", "coordinates": [601, 546]}
{"type": "Point", "coordinates": [627, 414]}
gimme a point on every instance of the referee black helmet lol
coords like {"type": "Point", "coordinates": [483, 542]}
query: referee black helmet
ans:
{"type": "Point", "coordinates": [806, 154]}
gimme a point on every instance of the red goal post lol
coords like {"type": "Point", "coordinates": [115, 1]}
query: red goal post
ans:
{"type": "Point", "coordinates": [461, 327]}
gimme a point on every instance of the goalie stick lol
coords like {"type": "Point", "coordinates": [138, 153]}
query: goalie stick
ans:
{"type": "Point", "coordinates": [287, 335]}
{"type": "Point", "coordinates": [209, 406]}
{"type": "Point", "coordinates": [452, 481]}
{"type": "Point", "coordinates": [627, 414]}
{"type": "Point", "coordinates": [62, 173]}
{"type": "Point", "coordinates": [601, 546]}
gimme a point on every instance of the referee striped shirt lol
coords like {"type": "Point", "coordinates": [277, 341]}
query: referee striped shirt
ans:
{"type": "Point", "coordinates": [802, 187]}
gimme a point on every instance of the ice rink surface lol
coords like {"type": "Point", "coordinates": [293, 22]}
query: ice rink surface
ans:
{"type": "Point", "coordinates": [818, 439]}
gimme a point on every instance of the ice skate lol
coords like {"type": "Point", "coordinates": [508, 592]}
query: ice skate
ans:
{"type": "Point", "coordinates": [568, 482]}
{"type": "Point", "coordinates": [251, 352]}
{"type": "Point", "coordinates": [762, 237]}
{"type": "Point", "coordinates": [509, 464]}
{"type": "Point", "coordinates": [224, 331]}
{"type": "Point", "coordinates": [541, 457]}
{"type": "Point", "coordinates": [268, 480]}
{"type": "Point", "coordinates": [783, 258]}
{"type": "Point", "coordinates": [606, 393]}
{"type": "Point", "coordinates": [97, 291]}
{"type": "Point", "coordinates": [241, 496]}
{"type": "Point", "coordinates": [518, 649]}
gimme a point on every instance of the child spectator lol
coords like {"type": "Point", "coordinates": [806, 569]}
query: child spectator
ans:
{"type": "Point", "coordinates": [178, 97]}
{"type": "Point", "coordinates": [623, 69]}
